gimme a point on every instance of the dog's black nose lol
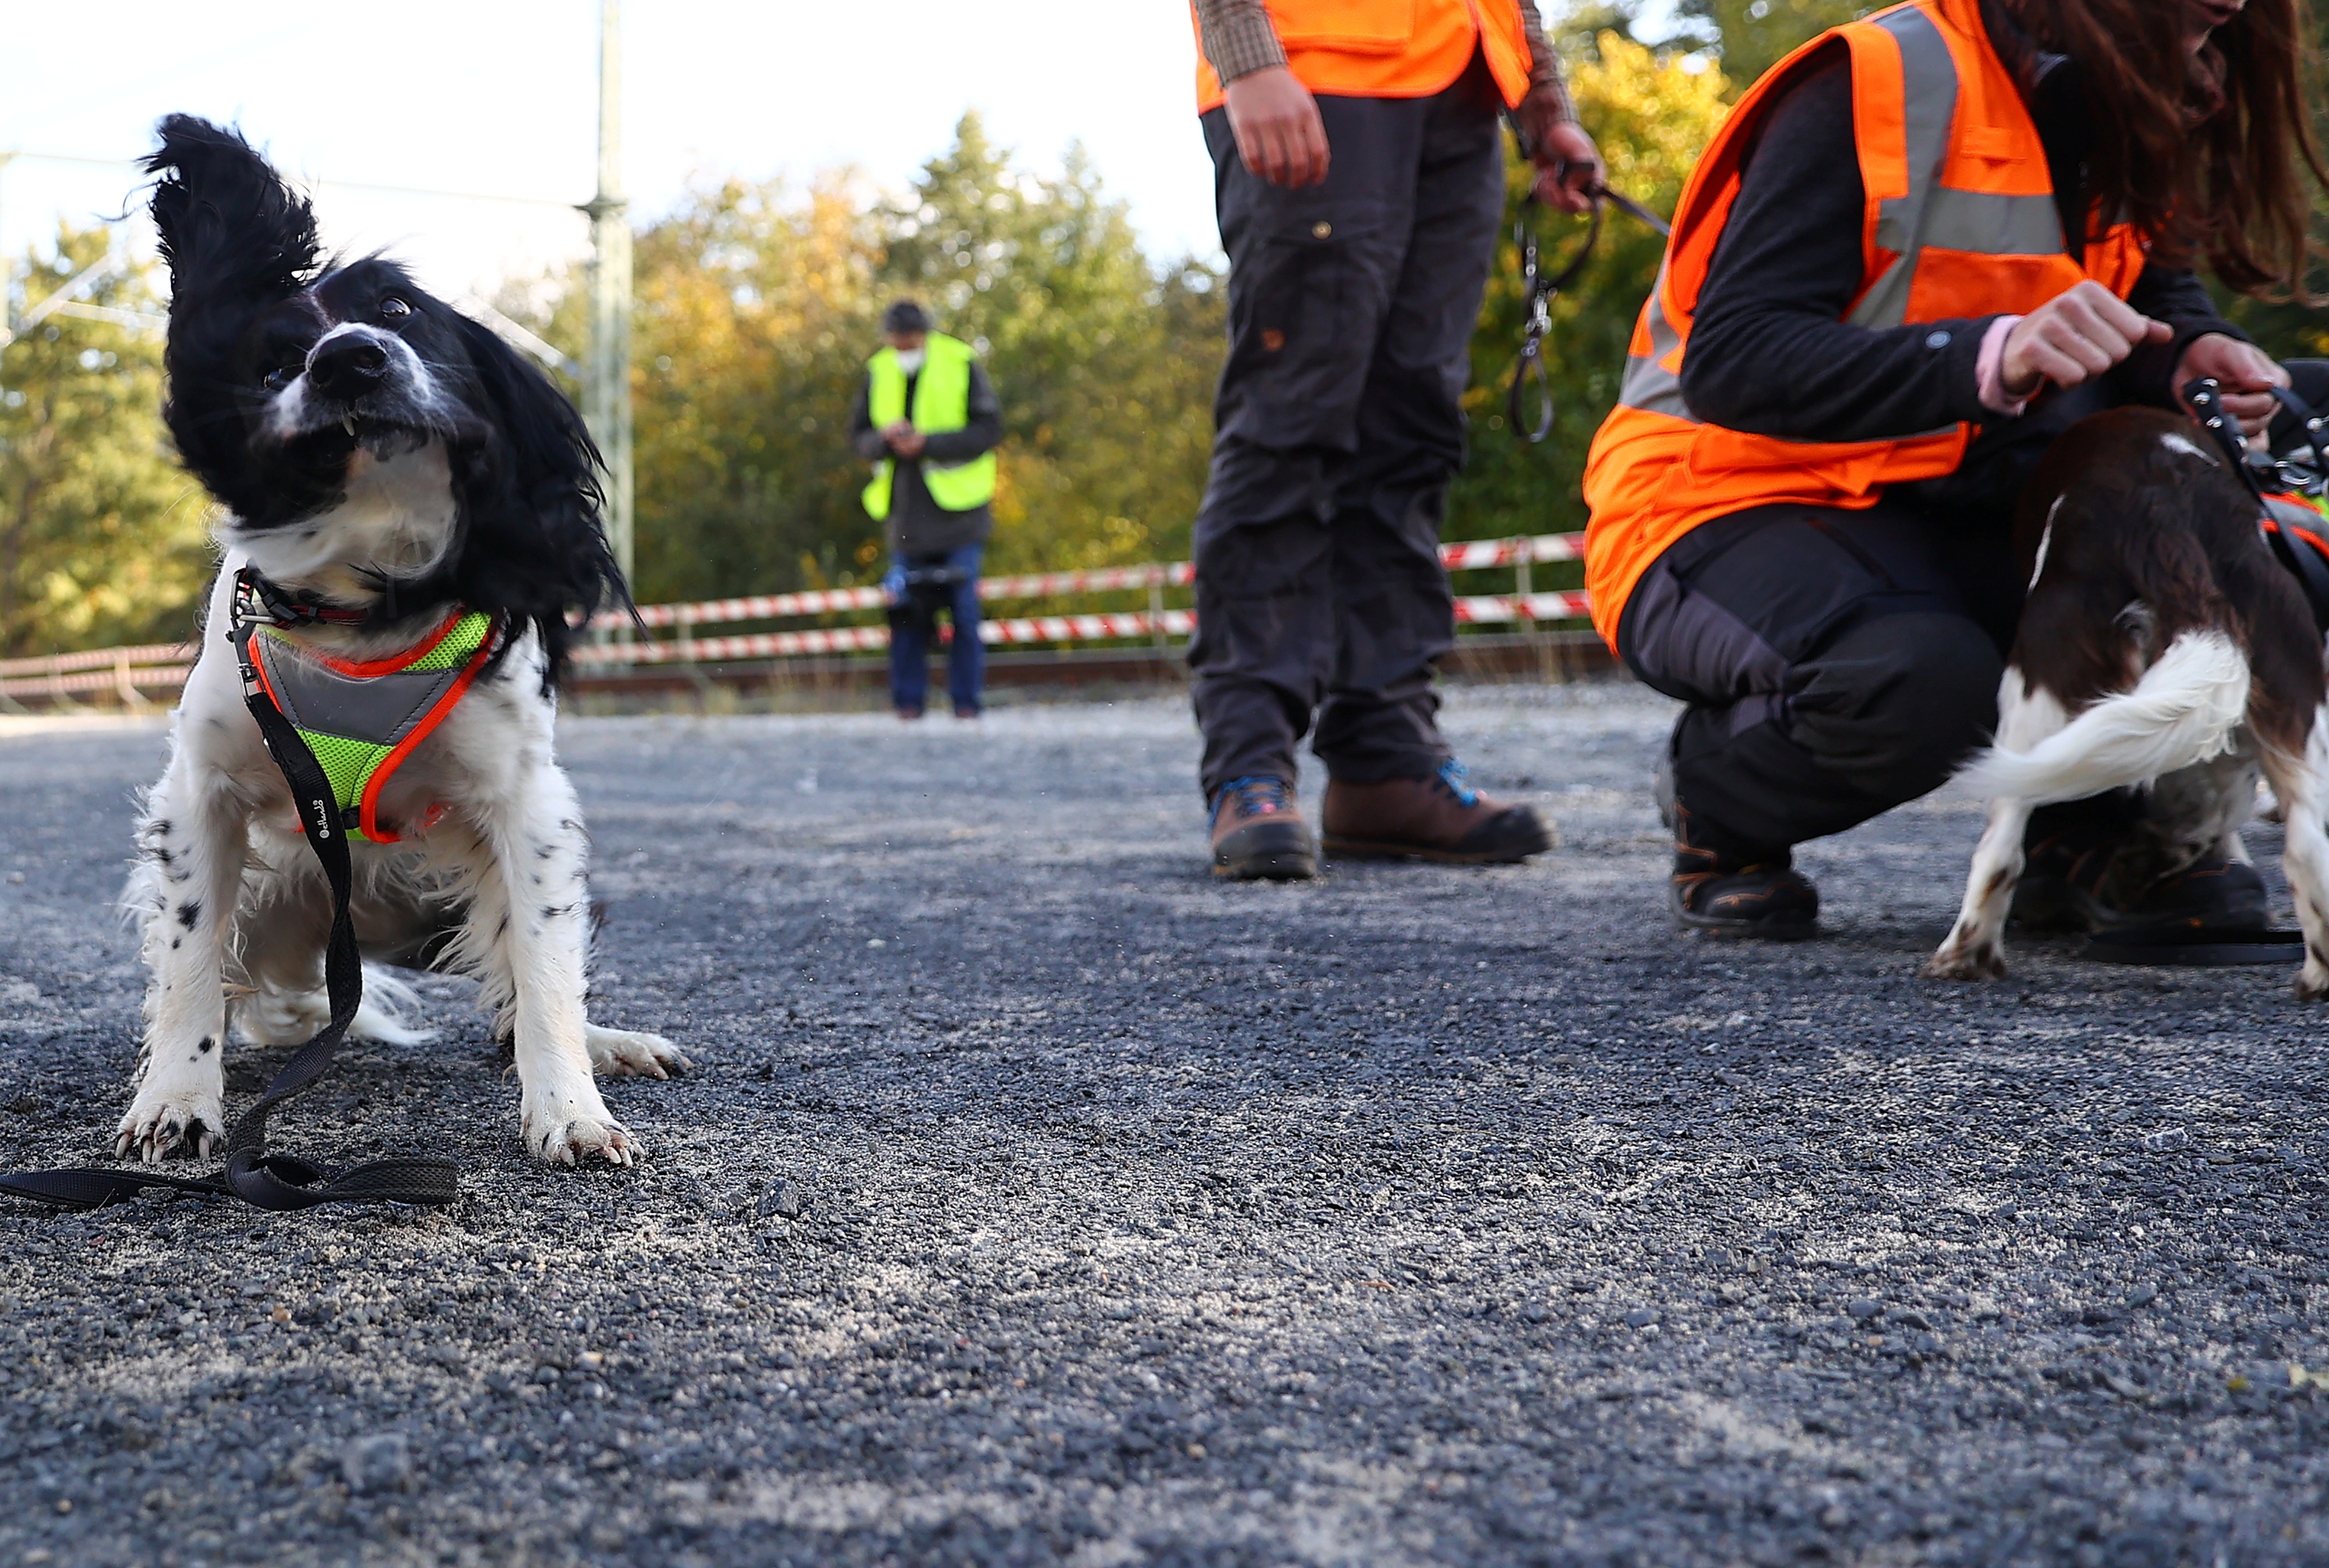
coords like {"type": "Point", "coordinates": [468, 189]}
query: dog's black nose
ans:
{"type": "Point", "coordinates": [347, 367]}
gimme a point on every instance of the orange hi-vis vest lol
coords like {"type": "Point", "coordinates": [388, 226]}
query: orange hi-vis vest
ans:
{"type": "Point", "coordinates": [1960, 221]}
{"type": "Point", "coordinates": [1388, 48]}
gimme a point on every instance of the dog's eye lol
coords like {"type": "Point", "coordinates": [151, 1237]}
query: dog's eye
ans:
{"type": "Point", "coordinates": [277, 380]}
{"type": "Point", "coordinates": [390, 305]}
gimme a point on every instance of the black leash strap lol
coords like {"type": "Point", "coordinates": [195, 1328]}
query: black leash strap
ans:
{"type": "Point", "coordinates": [277, 1181]}
{"type": "Point", "coordinates": [1542, 292]}
{"type": "Point", "coordinates": [2205, 399]}
{"type": "Point", "coordinates": [2313, 424]}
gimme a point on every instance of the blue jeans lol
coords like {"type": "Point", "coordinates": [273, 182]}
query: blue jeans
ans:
{"type": "Point", "coordinates": [913, 621]}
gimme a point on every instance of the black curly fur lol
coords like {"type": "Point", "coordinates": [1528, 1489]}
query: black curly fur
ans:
{"type": "Point", "coordinates": [247, 273]}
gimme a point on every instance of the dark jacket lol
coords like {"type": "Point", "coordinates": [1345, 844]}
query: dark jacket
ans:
{"type": "Point", "coordinates": [918, 525]}
{"type": "Point", "coordinates": [1769, 351]}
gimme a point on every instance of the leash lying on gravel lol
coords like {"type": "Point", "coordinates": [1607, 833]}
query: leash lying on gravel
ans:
{"type": "Point", "coordinates": [277, 1181]}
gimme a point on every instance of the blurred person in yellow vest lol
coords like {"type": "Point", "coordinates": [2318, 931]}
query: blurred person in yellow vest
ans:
{"type": "Point", "coordinates": [1359, 178]}
{"type": "Point", "coordinates": [926, 419]}
{"type": "Point", "coordinates": [1919, 248]}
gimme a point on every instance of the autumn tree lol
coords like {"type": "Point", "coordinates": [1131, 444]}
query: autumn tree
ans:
{"type": "Point", "coordinates": [758, 305]}
{"type": "Point", "coordinates": [102, 536]}
{"type": "Point", "coordinates": [1650, 112]}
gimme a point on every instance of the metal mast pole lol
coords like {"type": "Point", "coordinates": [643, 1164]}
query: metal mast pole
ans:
{"type": "Point", "coordinates": [7, 275]}
{"type": "Point", "coordinates": [606, 395]}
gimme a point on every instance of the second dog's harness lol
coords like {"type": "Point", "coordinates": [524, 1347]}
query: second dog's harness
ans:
{"type": "Point", "coordinates": [2290, 495]}
{"type": "Point", "coordinates": [360, 719]}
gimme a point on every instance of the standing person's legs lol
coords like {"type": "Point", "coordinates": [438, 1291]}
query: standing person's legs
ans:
{"type": "Point", "coordinates": [1836, 664]}
{"type": "Point", "coordinates": [1393, 789]}
{"type": "Point", "coordinates": [1311, 274]}
{"type": "Point", "coordinates": [1395, 614]}
{"type": "Point", "coordinates": [967, 659]}
{"type": "Point", "coordinates": [909, 643]}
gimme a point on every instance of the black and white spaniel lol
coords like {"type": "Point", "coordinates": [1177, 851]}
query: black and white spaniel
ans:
{"type": "Point", "coordinates": [381, 461]}
{"type": "Point", "coordinates": [2163, 648]}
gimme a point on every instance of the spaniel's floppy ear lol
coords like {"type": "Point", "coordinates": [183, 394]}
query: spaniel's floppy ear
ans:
{"type": "Point", "coordinates": [229, 226]}
{"type": "Point", "coordinates": [237, 239]}
{"type": "Point", "coordinates": [533, 543]}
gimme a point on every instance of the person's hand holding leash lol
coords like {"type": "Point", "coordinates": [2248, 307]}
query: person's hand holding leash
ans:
{"type": "Point", "coordinates": [2073, 337]}
{"type": "Point", "coordinates": [2246, 372]}
{"type": "Point", "coordinates": [1280, 134]}
{"type": "Point", "coordinates": [1568, 163]}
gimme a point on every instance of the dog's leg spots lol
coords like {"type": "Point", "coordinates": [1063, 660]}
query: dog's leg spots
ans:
{"type": "Point", "coordinates": [199, 839]}
{"type": "Point", "coordinates": [533, 964]}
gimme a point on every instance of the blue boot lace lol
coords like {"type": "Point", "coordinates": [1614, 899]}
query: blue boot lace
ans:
{"type": "Point", "coordinates": [1457, 778]}
{"type": "Point", "coordinates": [1256, 796]}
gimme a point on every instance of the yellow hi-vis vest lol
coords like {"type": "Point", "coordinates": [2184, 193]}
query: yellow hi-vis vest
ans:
{"type": "Point", "coordinates": [941, 403]}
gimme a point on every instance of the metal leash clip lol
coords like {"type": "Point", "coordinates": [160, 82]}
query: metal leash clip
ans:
{"type": "Point", "coordinates": [1542, 293]}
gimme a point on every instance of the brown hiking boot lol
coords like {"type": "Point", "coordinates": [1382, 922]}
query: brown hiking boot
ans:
{"type": "Point", "coordinates": [1436, 818]}
{"type": "Point", "coordinates": [1726, 892]}
{"type": "Point", "coordinates": [1258, 833]}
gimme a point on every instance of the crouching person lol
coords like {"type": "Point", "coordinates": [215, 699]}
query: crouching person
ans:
{"type": "Point", "coordinates": [928, 420]}
{"type": "Point", "coordinates": [1918, 249]}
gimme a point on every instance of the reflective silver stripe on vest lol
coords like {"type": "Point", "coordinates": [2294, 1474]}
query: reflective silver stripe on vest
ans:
{"type": "Point", "coordinates": [380, 710]}
{"type": "Point", "coordinates": [1933, 215]}
{"type": "Point", "coordinates": [1649, 385]}
{"type": "Point", "coordinates": [1928, 91]}
{"type": "Point", "coordinates": [1989, 224]}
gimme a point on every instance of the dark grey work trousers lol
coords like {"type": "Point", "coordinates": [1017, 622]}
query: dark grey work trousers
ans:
{"type": "Point", "coordinates": [1339, 428]}
{"type": "Point", "coordinates": [1836, 663]}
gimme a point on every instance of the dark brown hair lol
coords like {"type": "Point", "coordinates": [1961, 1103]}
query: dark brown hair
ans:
{"type": "Point", "coordinates": [2207, 156]}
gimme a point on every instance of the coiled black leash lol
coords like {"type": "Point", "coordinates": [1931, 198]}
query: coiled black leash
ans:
{"type": "Point", "coordinates": [277, 1181]}
{"type": "Point", "coordinates": [1542, 291]}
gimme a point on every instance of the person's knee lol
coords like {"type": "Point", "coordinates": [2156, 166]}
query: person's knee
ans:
{"type": "Point", "coordinates": [1896, 703]}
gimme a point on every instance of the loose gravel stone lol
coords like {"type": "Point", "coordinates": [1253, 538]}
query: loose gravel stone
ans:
{"type": "Point", "coordinates": [377, 1463]}
{"type": "Point", "coordinates": [1152, 1221]}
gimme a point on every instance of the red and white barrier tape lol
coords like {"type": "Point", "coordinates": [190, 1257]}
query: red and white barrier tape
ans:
{"type": "Point", "coordinates": [166, 663]}
{"type": "Point", "coordinates": [1474, 555]}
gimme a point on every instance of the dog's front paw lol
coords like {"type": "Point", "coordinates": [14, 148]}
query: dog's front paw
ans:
{"type": "Point", "coordinates": [569, 1134]}
{"type": "Point", "coordinates": [623, 1053]}
{"type": "Point", "coordinates": [2312, 981]}
{"type": "Point", "coordinates": [183, 1125]}
{"type": "Point", "coordinates": [1982, 961]}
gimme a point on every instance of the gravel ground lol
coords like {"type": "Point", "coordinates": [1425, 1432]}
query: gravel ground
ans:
{"type": "Point", "coordinates": [1036, 1200]}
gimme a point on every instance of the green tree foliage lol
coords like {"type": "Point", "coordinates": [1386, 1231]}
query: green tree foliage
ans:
{"type": "Point", "coordinates": [102, 536]}
{"type": "Point", "coordinates": [1650, 113]}
{"type": "Point", "coordinates": [1750, 36]}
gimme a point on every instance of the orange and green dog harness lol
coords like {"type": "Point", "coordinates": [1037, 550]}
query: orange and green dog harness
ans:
{"type": "Point", "coordinates": [360, 719]}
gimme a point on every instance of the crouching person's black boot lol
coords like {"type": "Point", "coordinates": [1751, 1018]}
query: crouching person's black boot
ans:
{"type": "Point", "coordinates": [1725, 891]}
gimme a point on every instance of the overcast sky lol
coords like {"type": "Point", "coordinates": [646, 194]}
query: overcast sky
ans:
{"type": "Point", "coordinates": [499, 97]}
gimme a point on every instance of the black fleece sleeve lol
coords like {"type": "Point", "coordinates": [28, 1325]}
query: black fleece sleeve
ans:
{"type": "Point", "coordinates": [868, 442]}
{"type": "Point", "coordinates": [981, 432]}
{"type": "Point", "coordinates": [2175, 295]}
{"type": "Point", "coordinates": [1768, 352]}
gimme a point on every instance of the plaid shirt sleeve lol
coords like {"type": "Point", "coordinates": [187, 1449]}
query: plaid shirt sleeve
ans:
{"type": "Point", "coordinates": [1544, 66]}
{"type": "Point", "coordinates": [1238, 38]}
